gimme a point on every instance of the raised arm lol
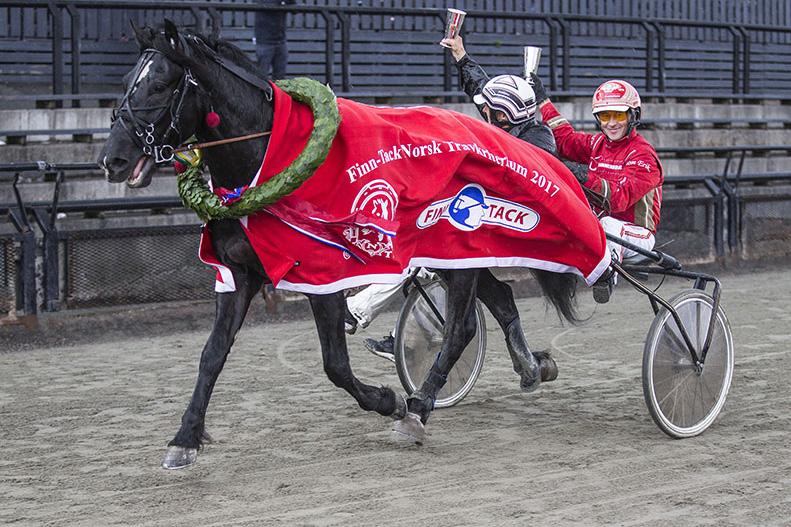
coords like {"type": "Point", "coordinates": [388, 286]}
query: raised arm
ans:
{"type": "Point", "coordinates": [471, 74]}
{"type": "Point", "coordinates": [572, 145]}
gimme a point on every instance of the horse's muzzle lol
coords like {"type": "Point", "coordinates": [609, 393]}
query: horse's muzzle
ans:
{"type": "Point", "coordinates": [136, 175]}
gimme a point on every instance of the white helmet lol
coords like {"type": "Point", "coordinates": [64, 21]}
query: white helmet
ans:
{"type": "Point", "coordinates": [511, 95]}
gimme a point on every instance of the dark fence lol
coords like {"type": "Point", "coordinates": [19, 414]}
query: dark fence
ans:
{"type": "Point", "coordinates": [764, 219]}
{"type": "Point", "coordinates": [51, 265]}
{"type": "Point", "coordinates": [79, 46]}
{"type": "Point", "coordinates": [119, 266]}
{"type": "Point", "coordinates": [9, 273]}
{"type": "Point", "coordinates": [765, 12]}
{"type": "Point", "coordinates": [99, 24]}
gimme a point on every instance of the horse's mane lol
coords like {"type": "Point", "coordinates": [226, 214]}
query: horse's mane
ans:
{"type": "Point", "coordinates": [200, 49]}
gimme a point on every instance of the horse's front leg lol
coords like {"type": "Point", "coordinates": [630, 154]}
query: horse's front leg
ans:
{"type": "Point", "coordinates": [458, 331]}
{"type": "Point", "coordinates": [231, 309]}
{"type": "Point", "coordinates": [328, 310]}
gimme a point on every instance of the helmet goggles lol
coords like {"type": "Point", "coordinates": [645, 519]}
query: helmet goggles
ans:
{"type": "Point", "coordinates": [612, 115]}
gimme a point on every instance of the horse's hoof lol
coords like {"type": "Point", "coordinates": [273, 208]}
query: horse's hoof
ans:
{"type": "Point", "coordinates": [549, 368]}
{"type": "Point", "coordinates": [410, 429]}
{"type": "Point", "coordinates": [548, 372]}
{"type": "Point", "coordinates": [179, 457]}
{"type": "Point", "coordinates": [400, 407]}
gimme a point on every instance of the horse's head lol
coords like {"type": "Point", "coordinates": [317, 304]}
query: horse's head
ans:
{"type": "Point", "coordinates": [162, 106]}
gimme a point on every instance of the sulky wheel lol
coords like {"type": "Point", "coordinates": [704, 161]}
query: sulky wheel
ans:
{"type": "Point", "coordinates": [418, 340]}
{"type": "Point", "coordinates": [682, 400]}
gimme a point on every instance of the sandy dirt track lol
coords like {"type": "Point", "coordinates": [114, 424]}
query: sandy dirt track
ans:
{"type": "Point", "coordinates": [83, 427]}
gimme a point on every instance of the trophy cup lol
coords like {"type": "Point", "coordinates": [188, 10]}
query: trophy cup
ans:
{"type": "Point", "coordinates": [532, 56]}
{"type": "Point", "coordinates": [453, 23]}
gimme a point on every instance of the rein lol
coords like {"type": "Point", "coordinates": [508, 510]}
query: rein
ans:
{"type": "Point", "coordinates": [209, 144]}
{"type": "Point", "coordinates": [596, 199]}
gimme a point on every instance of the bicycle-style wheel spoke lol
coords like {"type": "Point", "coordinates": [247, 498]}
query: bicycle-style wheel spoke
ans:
{"type": "Point", "coordinates": [418, 342]}
{"type": "Point", "coordinates": [682, 400]}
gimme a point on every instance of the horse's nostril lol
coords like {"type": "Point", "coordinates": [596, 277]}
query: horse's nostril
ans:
{"type": "Point", "coordinates": [115, 168]}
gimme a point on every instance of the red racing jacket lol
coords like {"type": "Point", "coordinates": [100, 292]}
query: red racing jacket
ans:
{"type": "Point", "coordinates": [626, 172]}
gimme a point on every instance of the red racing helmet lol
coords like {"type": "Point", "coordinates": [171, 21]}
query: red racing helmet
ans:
{"type": "Point", "coordinates": [619, 96]}
{"type": "Point", "coordinates": [616, 95]}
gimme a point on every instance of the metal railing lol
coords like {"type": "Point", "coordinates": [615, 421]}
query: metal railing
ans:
{"type": "Point", "coordinates": [90, 266]}
{"type": "Point", "coordinates": [339, 20]}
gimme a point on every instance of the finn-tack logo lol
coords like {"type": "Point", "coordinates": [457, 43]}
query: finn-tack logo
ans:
{"type": "Point", "coordinates": [471, 207]}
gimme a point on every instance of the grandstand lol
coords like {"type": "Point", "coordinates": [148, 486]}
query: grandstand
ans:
{"type": "Point", "coordinates": [389, 46]}
{"type": "Point", "coordinates": [717, 84]}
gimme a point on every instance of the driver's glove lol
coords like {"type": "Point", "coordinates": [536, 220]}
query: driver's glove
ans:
{"type": "Point", "coordinates": [579, 170]}
{"type": "Point", "coordinates": [538, 88]}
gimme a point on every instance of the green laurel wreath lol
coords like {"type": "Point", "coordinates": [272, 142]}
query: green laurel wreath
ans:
{"type": "Point", "coordinates": [195, 193]}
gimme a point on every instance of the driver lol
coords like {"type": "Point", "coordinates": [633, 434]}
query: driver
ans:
{"type": "Point", "coordinates": [622, 167]}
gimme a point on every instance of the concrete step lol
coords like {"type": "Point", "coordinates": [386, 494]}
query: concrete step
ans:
{"type": "Point", "coordinates": [73, 221]}
{"type": "Point", "coordinates": [710, 137]}
{"type": "Point", "coordinates": [94, 187]}
{"type": "Point", "coordinates": [111, 220]}
{"type": "Point", "coordinates": [577, 112]}
{"type": "Point", "coordinates": [61, 153]}
{"type": "Point", "coordinates": [686, 167]}
{"type": "Point", "coordinates": [89, 188]}
{"type": "Point", "coordinates": [64, 118]}
{"type": "Point", "coordinates": [82, 152]}
{"type": "Point", "coordinates": [580, 110]}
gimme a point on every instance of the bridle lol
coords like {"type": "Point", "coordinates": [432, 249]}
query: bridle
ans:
{"type": "Point", "coordinates": [142, 132]}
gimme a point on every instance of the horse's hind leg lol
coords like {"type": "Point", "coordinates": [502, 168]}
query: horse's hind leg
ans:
{"type": "Point", "coordinates": [459, 330]}
{"type": "Point", "coordinates": [499, 300]}
{"type": "Point", "coordinates": [328, 310]}
{"type": "Point", "coordinates": [231, 309]}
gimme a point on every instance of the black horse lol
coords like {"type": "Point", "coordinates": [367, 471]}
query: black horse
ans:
{"type": "Point", "coordinates": [179, 78]}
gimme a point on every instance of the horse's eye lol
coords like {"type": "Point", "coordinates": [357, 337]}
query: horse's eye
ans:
{"type": "Point", "coordinates": [159, 87]}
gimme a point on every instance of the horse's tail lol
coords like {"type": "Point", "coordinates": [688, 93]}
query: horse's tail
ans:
{"type": "Point", "coordinates": [561, 290]}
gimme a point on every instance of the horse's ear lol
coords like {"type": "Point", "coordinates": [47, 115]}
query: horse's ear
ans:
{"type": "Point", "coordinates": [172, 34]}
{"type": "Point", "coordinates": [143, 35]}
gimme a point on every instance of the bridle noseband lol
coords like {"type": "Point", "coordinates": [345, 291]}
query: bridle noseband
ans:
{"type": "Point", "coordinates": [142, 131]}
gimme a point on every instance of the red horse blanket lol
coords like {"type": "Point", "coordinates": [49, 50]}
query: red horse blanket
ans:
{"type": "Point", "coordinates": [418, 186]}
